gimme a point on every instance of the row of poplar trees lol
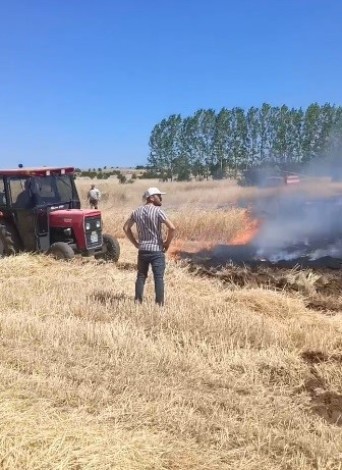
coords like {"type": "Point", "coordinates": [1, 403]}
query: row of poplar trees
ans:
{"type": "Point", "coordinates": [223, 143]}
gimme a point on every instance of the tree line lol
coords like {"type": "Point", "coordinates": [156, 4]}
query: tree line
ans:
{"type": "Point", "coordinates": [223, 143]}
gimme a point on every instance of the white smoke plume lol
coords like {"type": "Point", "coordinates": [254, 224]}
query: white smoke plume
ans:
{"type": "Point", "coordinates": [306, 219]}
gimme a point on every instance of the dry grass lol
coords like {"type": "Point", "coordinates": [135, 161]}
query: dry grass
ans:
{"type": "Point", "coordinates": [204, 194]}
{"type": "Point", "coordinates": [215, 380]}
{"type": "Point", "coordinates": [201, 210]}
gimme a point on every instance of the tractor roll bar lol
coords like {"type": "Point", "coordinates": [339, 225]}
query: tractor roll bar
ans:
{"type": "Point", "coordinates": [44, 171]}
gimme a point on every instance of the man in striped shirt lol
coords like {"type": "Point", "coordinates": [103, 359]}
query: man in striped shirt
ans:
{"type": "Point", "coordinates": [149, 219]}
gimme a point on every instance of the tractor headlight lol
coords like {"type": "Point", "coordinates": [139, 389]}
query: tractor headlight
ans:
{"type": "Point", "coordinates": [98, 224]}
{"type": "Point", "coordinates": [67, 232]}
{"type": "Point", "coordinates": [87, 226]}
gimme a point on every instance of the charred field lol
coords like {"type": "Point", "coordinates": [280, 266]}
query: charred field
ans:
{"type": "Point", "coordinates": [288, 243]}
{"type": "Point", "coordinates": [318, 281]}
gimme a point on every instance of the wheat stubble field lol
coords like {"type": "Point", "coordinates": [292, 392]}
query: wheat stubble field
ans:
{"type": "Point", "coordinates": [224, 377]}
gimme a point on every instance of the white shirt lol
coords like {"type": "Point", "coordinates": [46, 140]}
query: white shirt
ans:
{"type": "Point", "coordinates": [94, 194]}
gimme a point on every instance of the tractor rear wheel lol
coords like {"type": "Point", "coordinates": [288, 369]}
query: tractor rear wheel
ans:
{"type": "Point", "coordinates": [61, 250]}
{"type": "Point", "coordinates": [110, 249]}
{"type": "Point", "coordinates": [7, 245]}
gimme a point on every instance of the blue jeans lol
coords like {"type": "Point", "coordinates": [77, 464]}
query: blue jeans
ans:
{"type": "Point", "coordinates": [157, 260]}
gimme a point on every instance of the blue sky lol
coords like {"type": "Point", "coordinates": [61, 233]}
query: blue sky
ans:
{"type": "Point", "coordinates": [83, 82]}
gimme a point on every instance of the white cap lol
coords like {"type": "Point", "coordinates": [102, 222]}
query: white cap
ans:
{"type": "Point", "coordinates": [151, 192]}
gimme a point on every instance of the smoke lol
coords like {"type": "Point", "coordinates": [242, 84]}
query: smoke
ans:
{"type": "Point", "coordinates": [299, 223]}
{"type": "Point", "coordinates": [292, 218]}
{"type": "Point", "coordinates": [304, 219]}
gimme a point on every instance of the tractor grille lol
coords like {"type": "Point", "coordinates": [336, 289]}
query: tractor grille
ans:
{"type": "Point", "coordinates": [93, 232]}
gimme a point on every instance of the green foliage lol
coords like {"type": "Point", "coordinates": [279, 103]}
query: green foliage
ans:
{"type": "Point", "coordinates": [151, 174]}
{"type": "Point", "coordinates": [182, 168]}
{"type": "Point", "coordinates": [103, 175]}
{"type": "Point", "coordinates": [90, 174]}
{"type": "Point", "coordinates": [225, 143]}
{"type": "Point", "coordinates": [122, 178]}
{"type": "Point", "coordinates": [165, 145]}
{"type": "Point", "coordinates": [99, 175]}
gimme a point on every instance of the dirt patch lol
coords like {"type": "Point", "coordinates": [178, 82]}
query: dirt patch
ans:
{"type": "Point", "coordinates": [105, 297]}
{"type": "Point", "coordinates": [324, 402]}
{"type": "Point", "coordinates": [327, 404]}
{"type": "Point", "coordinates": [126, 266]}
{"type": "Point", "coordinates": [317, 357]}
{"type": "Point", "coordinates": [314, 357]}
{"type": "Point", "coordinates": [324, 305]}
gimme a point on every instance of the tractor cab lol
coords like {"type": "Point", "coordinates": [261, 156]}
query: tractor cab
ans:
{"type": "Point", "coordinates": [40, 211]}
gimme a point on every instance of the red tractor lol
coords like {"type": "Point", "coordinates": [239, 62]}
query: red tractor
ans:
{"type": "Point", "coordinates": [40, 211]}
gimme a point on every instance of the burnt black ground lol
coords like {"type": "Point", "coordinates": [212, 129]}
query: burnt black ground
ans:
{"type": "Point", "coordinates": [246, 255]}
{"type": "Point", "coordinates": [236, 266]}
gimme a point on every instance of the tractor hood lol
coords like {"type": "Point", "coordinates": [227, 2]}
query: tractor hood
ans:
{"type": "Point", "coordinates": [71, 217]}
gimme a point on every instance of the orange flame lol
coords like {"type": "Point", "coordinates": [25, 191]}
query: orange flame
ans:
{"type": "Point", "coordinates": [245, 237]}
{"type": "Point", "coordinates": [188, 246]}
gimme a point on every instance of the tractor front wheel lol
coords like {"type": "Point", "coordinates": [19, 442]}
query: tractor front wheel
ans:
{"type": "Point", "coordinates": [61, 250]}
{"type": "Point", "coordinates": [110, 249]}
{"type": "Point", "coordinates": [7, 246]}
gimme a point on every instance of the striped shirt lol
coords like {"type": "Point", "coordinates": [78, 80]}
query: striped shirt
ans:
{"type": "Point", "coordinates": [148, 219]}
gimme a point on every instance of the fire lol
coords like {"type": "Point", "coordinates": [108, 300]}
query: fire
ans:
{"type": "Point", "coordinates": [250, 232]}
{"type": "Point", "coordinates": [188, 246]}
{"type": "Point", "coordinates": [244, 237]}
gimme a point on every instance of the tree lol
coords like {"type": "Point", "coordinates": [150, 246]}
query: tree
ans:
{"type": "Point", "coordinates": [328, 125]}
{"type": "Point", "coordinates": [121, 177]}
{"type": "Point", "coordinates": [239, 139]}
{"type": "Point", "coordinates": [264, 118]}
{"type": "Point", "coordinates": [182, 168]}
{"type": "Point", "coordinates": [213, 144]}
{"type": "Point", "coordinates": [333, 148]}
{"type": "Point", "coordinates": [222, 142]}
{"type": "Point", "coordinates": [282, 136]}
{"type": "Point", "coordinates": [252, 137]}
{"type": "Point", "coordinates": [311, 132]}
{"type": "Point", "coordinates": [165, 145]}
{"type": "Point", "coordinates": [295, 141]}
{"type": "Point", "coordinates": [203, 139]}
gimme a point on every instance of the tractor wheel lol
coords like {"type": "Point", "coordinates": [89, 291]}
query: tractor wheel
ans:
{"type": "Point", "coordinates": [61, 250]}
{"type": "Point", "coordinates": [110, 249]}
{"type": "Point", "coordinates": [7, 246]}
